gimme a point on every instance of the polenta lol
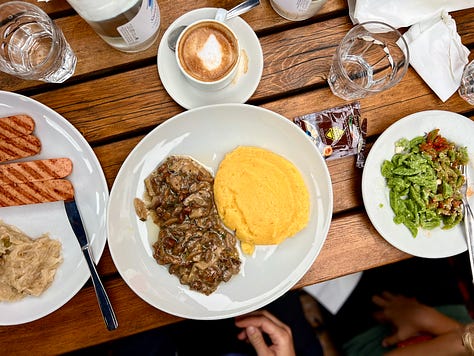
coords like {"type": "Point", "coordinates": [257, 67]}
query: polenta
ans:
{"type": "Point", "coordinates": [260, 195]}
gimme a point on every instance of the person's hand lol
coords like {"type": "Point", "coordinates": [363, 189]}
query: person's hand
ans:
{"type": "Point", "coordinates": [257, 323]}
{"type": "Point", "coordinates": [402, 313]}
{"type": "Point", "coordinates": [410, 318]}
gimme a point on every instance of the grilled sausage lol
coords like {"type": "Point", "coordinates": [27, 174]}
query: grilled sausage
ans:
{"type": "Point", "coordinates": [31, 171]}
{"type": "Point", "coordinates": [35, 192]}
{"type": "Point", "coordinates": [16, 125]}
{"type": "Point", "coordinates": [19, 147]}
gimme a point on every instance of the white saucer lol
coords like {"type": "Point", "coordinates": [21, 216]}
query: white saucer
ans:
{"type": "Point", "coordinates": [237, 92]}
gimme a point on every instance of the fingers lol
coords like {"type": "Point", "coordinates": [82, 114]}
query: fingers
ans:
{"type": "Point", "coordinates": [255, 337]}
{"type": "Point", "coordinates": [391, 340]}
{"type": "Point", "coordinates": [242, 335]}
{"type": "Point", "coordinates": [404, 314]}
{"type": "Point", "coordinates": [387, 300]}
{"type": "Point", "coordinates": [383, 299]}
{"type": "Point", "coordinates": [256, 323]}
{"type": "Point", "coordinates": [256, 319]}
{"type": "Point", "coordinates": [257, 315]}
{"type": "Point", "coordinates": [266, 321]}
{"type": "Point", "coordinates": [380, 316]}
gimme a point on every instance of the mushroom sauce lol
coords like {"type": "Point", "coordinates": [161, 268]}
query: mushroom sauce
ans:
{"type": "Point", "coordinates": [192, 240]}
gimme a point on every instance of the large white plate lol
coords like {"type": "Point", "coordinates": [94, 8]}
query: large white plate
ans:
{"type": "Point", "coordinates": [435, 243]}
{"type": "Point", "coordinates": [59, 139]}
{"type": "Point", "coordinates": [207, 134]}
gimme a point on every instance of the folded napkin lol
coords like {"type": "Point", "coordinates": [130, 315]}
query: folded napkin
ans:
{"type": "Point", "coordinates": [402, 13]}
{"type": "Point", "coordinates": [437, 54]}
{"type": "Point", "coordinates": [436, 51]}
{"type": "Point", "coordinates": [332, 294]}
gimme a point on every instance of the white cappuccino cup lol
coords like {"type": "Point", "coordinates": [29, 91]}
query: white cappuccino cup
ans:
{"type": "Point", "coordinates": [208, 54]}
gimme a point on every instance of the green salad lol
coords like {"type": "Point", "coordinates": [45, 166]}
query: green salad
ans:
{"type": "Point", "coordinates": [424, 179]}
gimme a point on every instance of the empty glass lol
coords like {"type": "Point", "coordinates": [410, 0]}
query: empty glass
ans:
{"type": "Point", "coordinates": [32, 46]}
{"type": "Point", "coordinates": [372, 57]}
{"type": "Point", "coordinates": [297, 10]}
{"type": "Point", "coordinates": [466, 89]}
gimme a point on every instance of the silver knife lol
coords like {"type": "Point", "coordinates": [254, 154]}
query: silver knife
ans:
{"type": "Point", "coordinates": [78, 228]}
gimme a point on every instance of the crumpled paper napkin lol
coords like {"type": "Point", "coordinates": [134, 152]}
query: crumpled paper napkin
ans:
{"type": "Point", "coordinates": [333, 294]}
{"type": "Point", "coordinates": [437, 53]}
{"type": "Point", "coordinates": [402, 13]}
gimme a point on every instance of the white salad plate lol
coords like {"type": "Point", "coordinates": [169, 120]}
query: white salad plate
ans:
{"type": "Point", "coordinates": [207, 134]}
{"type": "Point", "coordinates": [59, 139]}
{"type": "Point", "coordinates": [239, 91]}
{"type": "Point", "coordinates": [436, 243]}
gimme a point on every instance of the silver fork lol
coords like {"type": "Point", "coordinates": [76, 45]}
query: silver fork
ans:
{"type": "Point", "coordinates": [468, 217]}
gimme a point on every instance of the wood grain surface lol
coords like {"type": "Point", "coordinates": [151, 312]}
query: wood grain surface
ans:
{"type": "Point", "coordinates": [114, 99]}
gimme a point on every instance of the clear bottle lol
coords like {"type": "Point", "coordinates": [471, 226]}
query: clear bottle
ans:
{"type": "Point", "coordinates": [466, 89]}
{"type": "Point", "coordinates": [127, 25]}
{"type": "Point", "coordinates": [297, 10]}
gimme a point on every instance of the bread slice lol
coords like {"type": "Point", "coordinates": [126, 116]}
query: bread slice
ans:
{"type": "Point", "coordinates": [35, 192]}
{"type": "Point", "coordinates": [38, 170]}
{"type": "Point", "coordinates": [19, 147]}
{"type": "Point", "coordinates": [16, 125]}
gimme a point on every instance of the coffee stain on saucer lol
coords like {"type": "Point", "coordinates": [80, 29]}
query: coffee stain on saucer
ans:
{"type": "Point", "coordinates": [243, 66]}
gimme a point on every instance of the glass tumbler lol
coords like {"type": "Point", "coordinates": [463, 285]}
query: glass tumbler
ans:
{"type": "Point", "coordinates": [466, 89]}
{"type": "Point", "coordinates": [297, 10]}
{"type": "Point", "coordinates": [32, 46]}
{"type": "Point", "coordinates": [372, 57]}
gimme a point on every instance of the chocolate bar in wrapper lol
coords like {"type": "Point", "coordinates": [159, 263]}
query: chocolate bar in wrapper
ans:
{"type": "Point", "coordinates": [337, 132]}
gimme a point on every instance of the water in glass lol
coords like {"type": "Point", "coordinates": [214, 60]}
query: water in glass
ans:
{"type": "Point", "coordinates": [32, 46]}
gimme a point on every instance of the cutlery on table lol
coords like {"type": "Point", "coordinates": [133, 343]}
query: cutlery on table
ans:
{"type": "Point", "coordinates": [78, 228]}
{"type": "Point", "coordinates": [468, 218]}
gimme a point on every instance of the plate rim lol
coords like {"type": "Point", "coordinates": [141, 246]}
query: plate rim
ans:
{"type": "Point", "coordinates": [201, 13]}
{"type": "Point", "coordinates": [324, 229]}
{"type": "Point", "coordinates": [367, 196]}
{"type": "Point", "coordinates": [98, 244]}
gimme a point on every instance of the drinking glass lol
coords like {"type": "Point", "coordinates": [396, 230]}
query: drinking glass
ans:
{"type": "Point", "coordinates": [32, 46]}
{"type": "Point", "coordinates": [466, 89]}
{"type": "Point", "coordinates": [297, 10]}
{"type": "Point", "coordinates": [372, 57]}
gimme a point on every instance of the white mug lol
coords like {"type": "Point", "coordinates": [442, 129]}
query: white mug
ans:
{"type": "Point", "coordinates": [208, 54]}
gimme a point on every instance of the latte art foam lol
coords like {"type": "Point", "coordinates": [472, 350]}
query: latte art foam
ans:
{"type": "Point", "coordinates": [211, 53]}
{"type": "Point", "coordinates": [208, 51]}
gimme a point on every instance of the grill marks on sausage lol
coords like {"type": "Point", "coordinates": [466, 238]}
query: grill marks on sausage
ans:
{"type": "Point", "coordinates": [29, 182]}
{"type": "Point", "coordinates": [38, 170]}
{"type": "Point", "coordinates": [16, 125]}
{"type": "Point", "coordinates": [19, 147]}
{"type": "Point", "coordinates": [16, 138]}
{"type": "Point", "coordinates": [35, 192]}
{"type": "Point", "coordinates": [192, 240]}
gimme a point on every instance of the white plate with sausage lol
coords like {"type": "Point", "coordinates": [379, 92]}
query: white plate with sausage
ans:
{"type": "Point", "coordinates": [59, 138]}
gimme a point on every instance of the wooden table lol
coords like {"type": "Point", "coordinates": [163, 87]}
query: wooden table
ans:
{"type": "Point", "coordinates": [114, 99]}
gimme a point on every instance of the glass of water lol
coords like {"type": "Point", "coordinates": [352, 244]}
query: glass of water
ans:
{"type": "Point", "coordinates": [32, 46]}
{"type": "Point", "coordinates": [372, 57]}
